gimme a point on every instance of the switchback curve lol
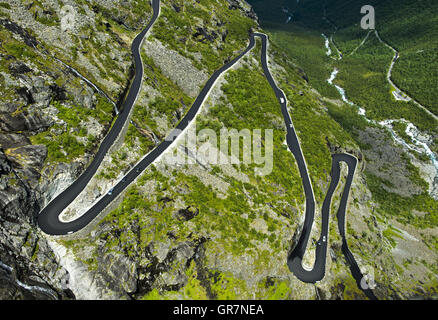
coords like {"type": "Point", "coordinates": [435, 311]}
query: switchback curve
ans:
{"type": "Point", "coordinates": [48, 219]}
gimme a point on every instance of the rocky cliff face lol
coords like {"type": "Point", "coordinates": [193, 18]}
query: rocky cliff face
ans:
{"type": "Point", "coordinates": [57, 103]}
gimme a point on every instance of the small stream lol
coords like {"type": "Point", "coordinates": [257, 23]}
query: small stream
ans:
{"type": "Point", "coordinates": [420, 142]}
{"type": "Point", "coordinates": [10, 275]}
{"type": "Point", "coordinates": [327, 45]}
{"type": "Point", "coordinates": [96, 88]}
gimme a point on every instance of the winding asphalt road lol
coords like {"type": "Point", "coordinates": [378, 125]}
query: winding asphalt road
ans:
{"type": "Point", "coordinates": [48, 219]}
{"type": "Point", "coordinates": [295, 258]}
